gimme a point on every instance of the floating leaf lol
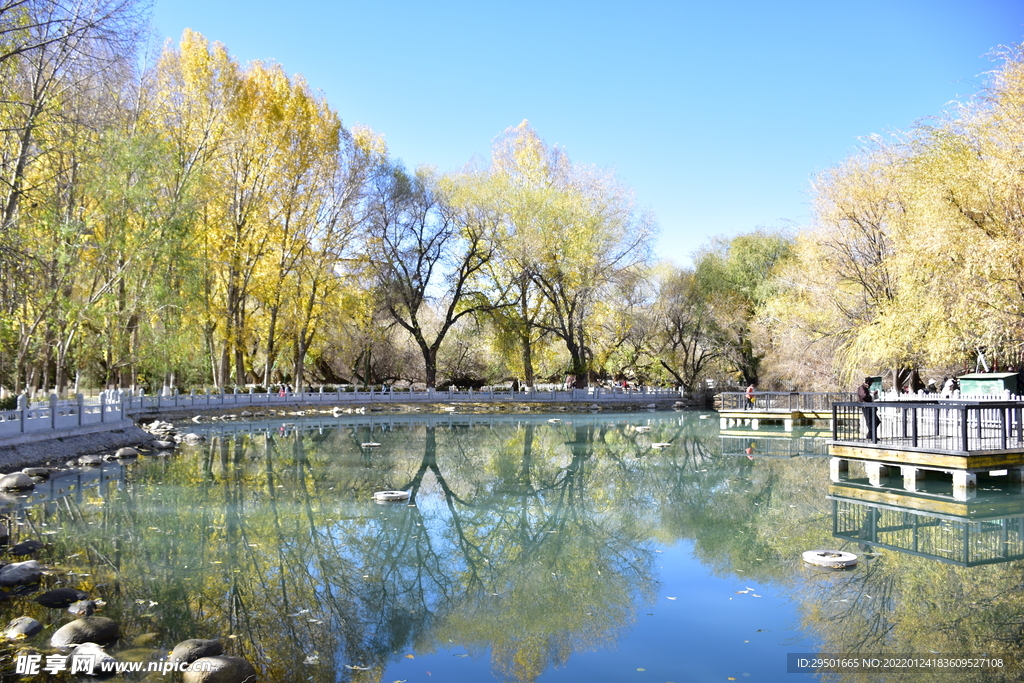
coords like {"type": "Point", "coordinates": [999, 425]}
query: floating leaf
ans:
{"type": "Point", "coordinates": [410, 656]}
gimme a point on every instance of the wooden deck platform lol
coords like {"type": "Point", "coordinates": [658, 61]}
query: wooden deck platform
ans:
{"type": "Point", "coordinates": [960, 439]}
{"type": "Point", "coordinates": [729, 419]}
{"type": "Point", "coordinates": [789, 409]}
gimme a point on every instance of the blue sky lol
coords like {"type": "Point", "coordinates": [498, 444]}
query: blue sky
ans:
{"type": "Point", "coordinates": [716, 114]}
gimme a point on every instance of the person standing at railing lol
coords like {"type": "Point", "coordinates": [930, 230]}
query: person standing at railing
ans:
{"type": "Point", "coordinates": [749, 405]}
{"type": "Point", "coordinates": [871, 418]}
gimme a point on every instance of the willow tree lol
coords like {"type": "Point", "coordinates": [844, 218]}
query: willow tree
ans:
{"type": "Point", "coordinates": [963, 243]}
{"type": "Point", "coordinates": [737, 277]}
{"type": "Point", "coordinates": [915, 255]}
{"type": "Point", "coordinates": [685, 337]}
{"type": "Point", "coordinates": [568, 234]}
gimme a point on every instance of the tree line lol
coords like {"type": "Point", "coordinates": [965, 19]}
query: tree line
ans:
{"type": "Point", "coordinates": [190, 221]}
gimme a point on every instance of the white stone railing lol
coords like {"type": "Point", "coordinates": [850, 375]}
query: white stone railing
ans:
{"type": "Point", "coordinates": [138, 404]}
{"type": "Point", "coordinates": [56, 416]}
{"type": "Point", "coordinates": [115, 406]}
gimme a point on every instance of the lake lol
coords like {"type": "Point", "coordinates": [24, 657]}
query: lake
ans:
{"type": "Point", "coordinates": [646, 547]}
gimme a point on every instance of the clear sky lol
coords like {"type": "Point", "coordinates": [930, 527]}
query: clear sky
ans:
{"type": "Point", "coordinates": [717, 114]}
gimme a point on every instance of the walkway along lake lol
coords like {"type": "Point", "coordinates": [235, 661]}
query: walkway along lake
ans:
{"type": "Point", "coordinates": [559, 547]}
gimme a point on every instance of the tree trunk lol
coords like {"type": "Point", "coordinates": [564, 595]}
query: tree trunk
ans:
{"type": "Point", "coordinates": [527, 348]}
{"type": "Point", "coordinates": [271, 351]}
{"type": "Point", "coordinates": [430, 366]}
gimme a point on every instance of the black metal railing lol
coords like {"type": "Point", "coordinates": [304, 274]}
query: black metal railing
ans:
{"type": "Point", "coordinates": [783, 401]}
{"type": "Point", "coordinates": [943, 426]}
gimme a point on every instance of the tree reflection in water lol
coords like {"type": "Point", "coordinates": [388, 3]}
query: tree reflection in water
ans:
{"type": "Point", "coordinates": [524, 542]}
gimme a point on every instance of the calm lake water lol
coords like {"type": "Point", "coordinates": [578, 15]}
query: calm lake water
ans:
{"type": "Point", "coordinates": [550, 548]}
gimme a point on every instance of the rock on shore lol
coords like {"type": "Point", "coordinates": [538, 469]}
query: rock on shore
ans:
{"type": "Point", "coordinates": [59, 450]}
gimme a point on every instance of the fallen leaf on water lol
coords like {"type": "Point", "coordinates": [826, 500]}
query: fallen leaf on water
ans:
{"type": "Point", "coordinates": [461, 656]}
{"type": "Point", "coordinates": [641, 669]}
{"type": "Point", "coordinates": [410, 656]}
{"type": "Point", "coordinates": [670, 598]}
{"type": "Point", "coordinates": [732, 678]}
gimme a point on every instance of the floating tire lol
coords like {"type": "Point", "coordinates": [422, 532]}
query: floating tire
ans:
{"type": "Point", "coordinates": [389, 496]}
{"type": "Point", "coordinates": [832, 559]}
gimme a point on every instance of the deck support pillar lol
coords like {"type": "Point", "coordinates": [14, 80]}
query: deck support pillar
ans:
{"type": "Point", "coordinates": [787, 424]}
{"type": "Point", "coordinates": [1015, 474]}
{"type": "Point", "coordinates": [965, 485]}
{"type": "Point", "coordinates": [838, 469]}
{"type": "Point", "coordinates": [911, 477]}
{"type": "Point", "coordinates": [876, 472]}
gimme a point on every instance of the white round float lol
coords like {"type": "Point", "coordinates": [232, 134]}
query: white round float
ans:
{"type": "Point", "coordinates": [833, 559]}
{"type": "Point", "coordinates": [389, 496]}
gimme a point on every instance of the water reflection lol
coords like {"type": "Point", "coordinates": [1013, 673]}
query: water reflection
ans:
{"type": "Point", "coordinates": [526, 546]}
{"type": "Point", "coordinates": [986, 529]}
{"type": "Point", "coordinates": [524, 541]}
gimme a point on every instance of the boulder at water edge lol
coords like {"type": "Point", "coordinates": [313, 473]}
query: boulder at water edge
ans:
{"type": "Point", "coordinates": [90, 460]}
{"type": "Point", "coordinates": [221, 670]}
{"type": "Point", "coordinates": [86, 630]}
{"type": "Point", "coordinates": [194, 648]}
{"type": "Point", "coordinates": [83, 608]}
{"type": "Point", "coordinates": [61, 597]}
{"type": "Point", "coordinates": [39, 472]}
{"type": "Point", "coordinates": [16, 481]}
{"type": "Point", "coordinates": [102, 663]}
{"type": "Point", "coordinates": [26, 547]}
{"type": "Point", "coordinates": [125, 452]}
{"type": "Point", "coordinates": [20, 573]}
{"type": "Point", "coordinates": [22, 627]}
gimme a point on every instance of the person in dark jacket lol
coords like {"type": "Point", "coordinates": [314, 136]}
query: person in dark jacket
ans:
{"type": "Point", "coordinates": [871, 418]}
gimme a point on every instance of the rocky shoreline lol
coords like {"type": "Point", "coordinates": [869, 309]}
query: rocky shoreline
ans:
{"type": "Point", "coordinates": [58, 451]}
